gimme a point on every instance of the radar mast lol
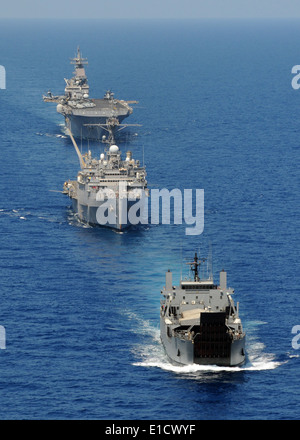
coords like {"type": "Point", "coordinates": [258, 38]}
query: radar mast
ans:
{"type": "Point", "coordinates": [195, 265]}
{"type": "Point", "coordinates": [78, 60]}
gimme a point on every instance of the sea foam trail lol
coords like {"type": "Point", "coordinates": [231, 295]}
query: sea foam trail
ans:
{"type": "Point", "coordinates": [33, 215]}
{"type": "Point", "coordinates": [55, 135]}
{"type": "Point", "coordinates": [153, 355]}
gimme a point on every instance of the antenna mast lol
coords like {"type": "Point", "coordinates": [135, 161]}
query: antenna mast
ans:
{"type": "Point", "coordinates": [195, 265]}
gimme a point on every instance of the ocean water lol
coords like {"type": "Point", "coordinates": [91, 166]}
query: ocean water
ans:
{"type": "Point", "coordinates": [80, 305]}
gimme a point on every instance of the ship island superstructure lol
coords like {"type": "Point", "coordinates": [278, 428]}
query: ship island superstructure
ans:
{"type": "Point", "coordinates": [199, 321]}
{"type": "Point", "coordinates": [107, 187]}
{"type": "Point", "coordinates": [85, 117]}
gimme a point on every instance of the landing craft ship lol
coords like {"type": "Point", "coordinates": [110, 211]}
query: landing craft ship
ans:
{"type": "Point", "coordinates": [199, 322]}
{"type": "Point", "coordinates": [107, 188]}
{"type": "Point", "coordinates": [84, 116]}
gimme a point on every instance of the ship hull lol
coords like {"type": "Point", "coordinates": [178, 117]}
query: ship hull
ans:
{"type": "Point", "coordinates": [77, 125]}
{"type": "Point", "coordinates": [184, 352]}
{"type": "Point", "coordinates": [89, 214]}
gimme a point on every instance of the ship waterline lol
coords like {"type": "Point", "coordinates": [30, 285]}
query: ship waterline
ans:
{"type": "Point", "coordinates": [79, 110]}
{"type": "Point", "coordinates": [200, 323]}
{"type": "Point", "coordinates": [115, 212]}
{"type": "Point", "coordinates": [185, 352]}
{"type": "Point", "coordinates": [89, 127]}
{"type": "Point", "coordinates": [108, 188]}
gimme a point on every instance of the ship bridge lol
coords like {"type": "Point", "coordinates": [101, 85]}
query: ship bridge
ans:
{"type": "Point", "coordinates": [198, 285]}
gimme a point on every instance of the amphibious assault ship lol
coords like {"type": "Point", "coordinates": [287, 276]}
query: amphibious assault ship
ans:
{"type": "Point", "coordinates": [107, 188]}
{"type": "Point", "coordinates": [86, 118]}
{"type": "Point", "coordinates": [199, 322]}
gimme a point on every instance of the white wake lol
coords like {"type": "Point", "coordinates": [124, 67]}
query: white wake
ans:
{"type": "Point", "coordinates": [153, 355]}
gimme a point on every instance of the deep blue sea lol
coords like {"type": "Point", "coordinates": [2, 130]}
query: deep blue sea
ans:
{"type": "Point", "coordinates": [79, 304]}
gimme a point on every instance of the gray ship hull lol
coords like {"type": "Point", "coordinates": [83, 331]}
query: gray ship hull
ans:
{"type": "Point", "coordinates": [79, 109]}
{"type": "Point", "coordinates": [88, 214]}
{"type": "Point", "coordinates": [184, 352]}
{"type": "Point", "coordinates": [77, 125]}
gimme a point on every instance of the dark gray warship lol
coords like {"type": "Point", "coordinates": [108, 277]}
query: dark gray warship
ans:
{"type": "Point", "coordinates": [108, 191]}
{"type": "Point", "coordinates": [199, 322]}
{"type": "Point", "coordinates": [86, 118]}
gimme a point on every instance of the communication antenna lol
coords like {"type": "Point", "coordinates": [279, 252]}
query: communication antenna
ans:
{"type": "Point", "coordinates": [210, 262]}
{"type": "Point", "coordinates": [143, 156]}
{"type": "Point", "coordinates": [181, 261]}
{"type": "Point", "coordinates": [195, 265]}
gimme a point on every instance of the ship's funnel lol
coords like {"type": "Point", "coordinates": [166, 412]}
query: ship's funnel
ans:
{"type": "Point", "coordinates": [223, 280]}
{"type": "Point", "coordinates": [168, 280]}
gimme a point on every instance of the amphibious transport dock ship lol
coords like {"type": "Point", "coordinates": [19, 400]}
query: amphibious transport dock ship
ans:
{"type": "Point", "coordinates": [199, 322]}
{"type": "Point", "coordinates": [84, 116]}
{"type": "Point", "coordinates": [106, 188]}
